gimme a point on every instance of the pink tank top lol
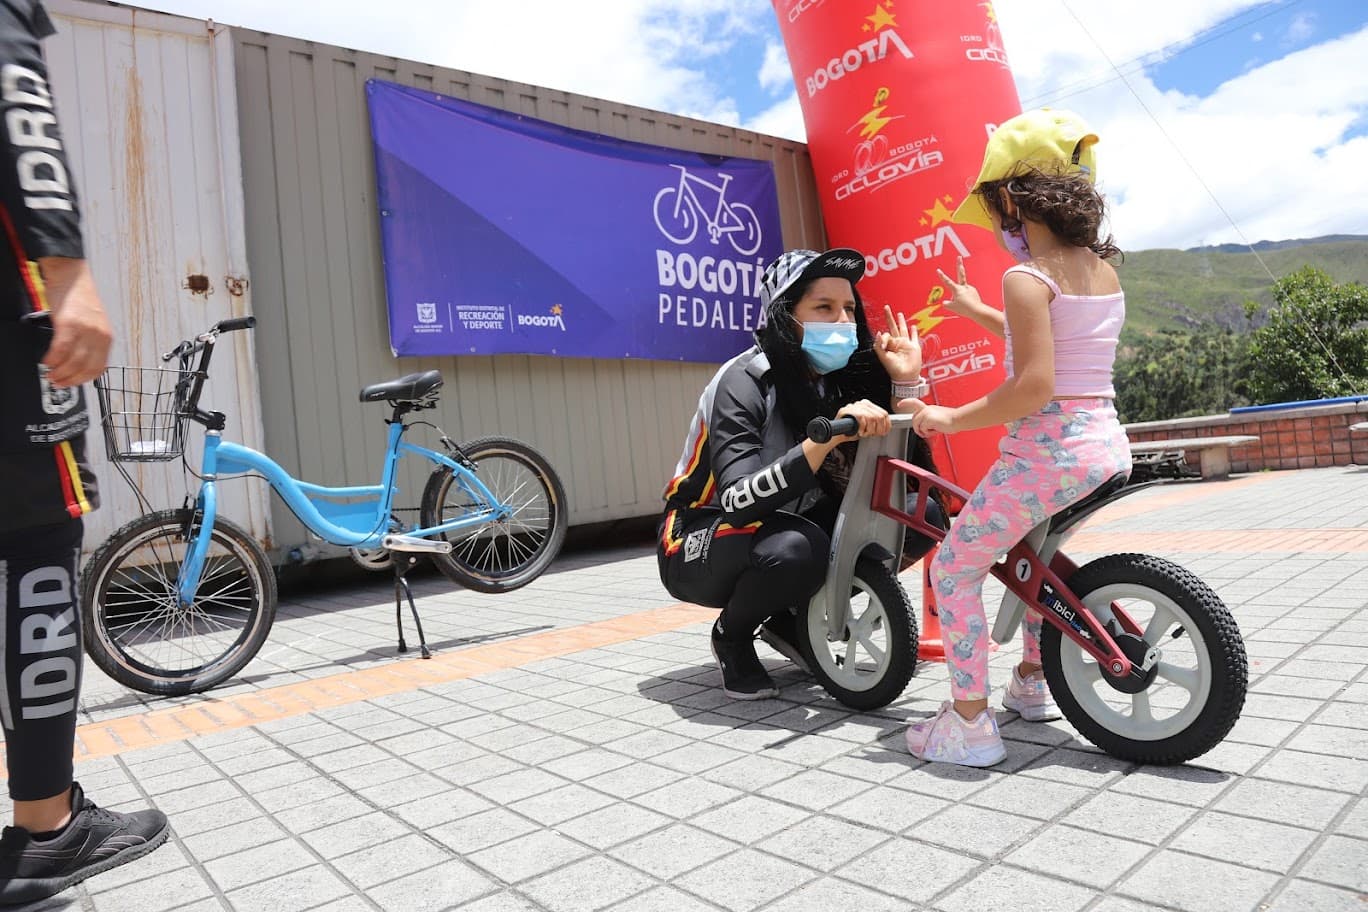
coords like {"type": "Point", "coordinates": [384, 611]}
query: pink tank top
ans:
{"type": "Point", "coordinates": [1086, 329]}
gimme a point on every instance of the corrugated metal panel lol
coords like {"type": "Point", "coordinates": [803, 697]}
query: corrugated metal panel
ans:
{"type": "Point", "coordinates": [150, 120]}
{"type": "Point", "coordinates": [613, 429]}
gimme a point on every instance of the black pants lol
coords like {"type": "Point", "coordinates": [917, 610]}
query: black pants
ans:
{"type": "Point", "coordinates": [753, 573]}
{"type": "Point", "coordinates": [41, 679]}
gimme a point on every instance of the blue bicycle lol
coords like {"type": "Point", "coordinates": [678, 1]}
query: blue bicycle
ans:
{"type": "Point", "coordinates": [178, 601]}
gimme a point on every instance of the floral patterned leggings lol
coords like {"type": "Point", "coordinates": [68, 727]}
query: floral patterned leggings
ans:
{"type": "Point", "coordinates": [1048, 460]}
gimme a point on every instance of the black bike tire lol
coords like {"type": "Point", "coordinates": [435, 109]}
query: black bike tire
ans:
{"type": "Point", "coordinates": [462, 573]}
{"type": "Point", "coordinates": [98, 641]}
{"type": "Point", "coordinates": [883, 583]}
{"type": "Point", "coordinates": [1225, 648]}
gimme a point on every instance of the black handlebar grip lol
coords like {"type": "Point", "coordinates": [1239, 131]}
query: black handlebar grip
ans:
{"type": "Point", "coordinates": [821, 430]}
{"type": "Point", "coordinates": [234, 323]}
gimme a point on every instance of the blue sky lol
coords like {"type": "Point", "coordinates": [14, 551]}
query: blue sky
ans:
{"type": "Point", "coordinates": [1221, 120]}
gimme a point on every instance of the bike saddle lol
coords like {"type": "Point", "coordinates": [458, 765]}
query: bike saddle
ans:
{"type": "Point", "coordinates": [409, 388]}
{"type": "Point", "coordinates": [1085, 507]}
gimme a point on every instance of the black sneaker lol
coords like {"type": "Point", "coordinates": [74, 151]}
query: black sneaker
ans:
{"type": "Point", "coordinates": [94, 841]}
{"type": "Point", "coordinates": [780, 633]}
{"type": "Point", "coordinates": [743, 677]}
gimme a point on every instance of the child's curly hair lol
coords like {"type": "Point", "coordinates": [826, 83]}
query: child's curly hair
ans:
{"type": "Point", "coordinates": [1066, 203]}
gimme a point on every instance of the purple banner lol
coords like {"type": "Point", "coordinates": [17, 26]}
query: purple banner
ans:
{"type": "Point", "coordinates": [508, 234]}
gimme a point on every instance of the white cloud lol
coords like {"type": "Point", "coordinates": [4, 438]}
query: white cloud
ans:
{"type": "Point", "coordinates": [1267, 149]}
{"type": "Point", "coordinates": [775, 73]}
{"type": "Point", "coordinates": [1270, 143]}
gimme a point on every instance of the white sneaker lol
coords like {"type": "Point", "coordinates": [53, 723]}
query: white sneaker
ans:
{"type": "Point", "coordinates": [949, 738]}
{"type": "Point", "coordinates": [1030, 697]}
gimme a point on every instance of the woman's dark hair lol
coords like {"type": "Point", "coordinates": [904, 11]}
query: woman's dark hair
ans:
{"type": "Point", "coordinates": [795, 386]}
{"type": "Point", "coordinates": [1066, 203]}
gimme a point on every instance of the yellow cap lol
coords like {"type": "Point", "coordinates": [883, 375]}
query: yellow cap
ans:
{"type": "Point", "coordinates": [1043, 139]}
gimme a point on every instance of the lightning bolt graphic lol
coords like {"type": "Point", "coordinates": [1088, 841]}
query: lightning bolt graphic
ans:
{"type": "Point", "coordinates": [873, 123]}
{"type": "Point", "coordinates": [925, 319]}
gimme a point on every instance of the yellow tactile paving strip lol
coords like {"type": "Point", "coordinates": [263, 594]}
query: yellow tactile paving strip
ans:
{"type": "Point", "coordinates": [210, 714]}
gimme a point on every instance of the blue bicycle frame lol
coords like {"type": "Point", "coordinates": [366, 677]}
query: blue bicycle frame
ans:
{"type": "Point", "coordinates": [354, 524]}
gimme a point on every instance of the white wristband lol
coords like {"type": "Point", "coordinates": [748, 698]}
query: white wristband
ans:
{"type": "Point", "coordinates": [911, 390]}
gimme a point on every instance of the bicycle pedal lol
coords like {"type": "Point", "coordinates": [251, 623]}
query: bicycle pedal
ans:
{"type": "Point", "coordinates": [420, 545]}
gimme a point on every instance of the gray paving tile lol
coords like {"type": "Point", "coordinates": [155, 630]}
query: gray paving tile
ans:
{"type": "Point", "coordinates": [662, 899]}
{"type": "Point", "coordinates": [234, 837]}
{"type": "Point", "coordinates": [686, 797]}
{"type": "Point", "coordinates": [978, 831]}
{"type": "Point", "coordinates": [1001, 888]}
{"type": "Point", "coordinates": [478, 831]}
{"type": "Point", "coordinates": [1095, 859]}
{"type": "Point", "coordinates": [528, 856]}
{"type": "Point", "coordinates": [1180, 881]}
{"type": "Point", "coordinates": [667, 853]}
{"type": "Point", "coordinates": [444, 886]}
{"type": "Point", "coordinates": [827, 893]}
{"type": "Point", "coordinates": [1342, 774]}
{"type": "Point", "coordinates": [907, 869]}
{"type": "Point", "coordinates": [613, 825]}
{"type": "Point", "coordinates": [814, 789]}
{"type": "Point", "coordinates": [261, 862]}
{"type": "Point", "coordinates": [356, 833]}
{"type": "Point", "coordinates": [1304, 896]}
{"type": "Point", "coordinates": [153, 894]}
{"type": "Point", "coordinates": [587, 885]}
{"type": "Point", "coordinates": [1341, 861]}
{"type": "Point", "coordinates": [506, 901]}
{"type": "Point", "coordinates": [304, 889]}
{"type": "Point", "coordinates": [745, 880]}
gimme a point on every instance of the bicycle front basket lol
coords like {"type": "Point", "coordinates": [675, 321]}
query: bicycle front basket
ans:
{"type": "Point", "coordinates": [141, 410]}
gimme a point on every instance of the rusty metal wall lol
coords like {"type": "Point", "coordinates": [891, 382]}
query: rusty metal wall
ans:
{"type": "Point", "coordinates": [149, 119]}
{"type": "Point", "coordinates": [613, 429]}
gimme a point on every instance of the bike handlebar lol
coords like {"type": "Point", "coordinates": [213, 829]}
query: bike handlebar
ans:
{"type": "Point", "coordinates": [821, 430]}
{"type": "Point", "coordinates": [187, 347]}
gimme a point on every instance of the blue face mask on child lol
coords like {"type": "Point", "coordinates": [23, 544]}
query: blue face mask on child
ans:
{"type": "Point", "coordinates": [1015, 241]}
{"type": "Point", "coordinates": [828, 346]}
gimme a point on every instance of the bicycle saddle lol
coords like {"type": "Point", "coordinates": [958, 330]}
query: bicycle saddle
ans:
{"type": "Point", "coordinates": [409, 388]}
{"type": "Point", "coordinates": [1085, 507]}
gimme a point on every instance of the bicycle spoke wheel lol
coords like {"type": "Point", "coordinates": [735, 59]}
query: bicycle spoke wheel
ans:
{"type": "Point", "coordinates": [1191, 698]}
{"type": "Point", "coordinates": [870, 665]}
{"type": "Point", "coordinates": [504, 554]}
{"type": "Point", "coordinates": [136, 628]}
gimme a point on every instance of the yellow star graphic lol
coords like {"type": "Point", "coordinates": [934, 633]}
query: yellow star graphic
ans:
{"type": "Point", "coordinates": [882, 18]}
{"type": "Point", "coordinates": [557, 310]}
{"type": "Point", "coordinates": [992, 13]}
{"type": "Point", "coordinates": [939, 213]}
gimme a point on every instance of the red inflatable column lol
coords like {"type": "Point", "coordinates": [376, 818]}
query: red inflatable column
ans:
{"type": "Point", "coordinates": [898, 98]}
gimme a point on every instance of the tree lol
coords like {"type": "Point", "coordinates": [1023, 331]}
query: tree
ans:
{"type": "Point", "coordinates": [1174, 374]}
{"type": "Point", "coordinates": [1315, 344]}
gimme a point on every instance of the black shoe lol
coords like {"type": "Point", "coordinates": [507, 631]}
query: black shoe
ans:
{"type": "Point", "coordinates": [94, 841]}
{"type": "Point", "coordinates": [780, 633]}
{"type": "Point", "coordinates": [743, 677]}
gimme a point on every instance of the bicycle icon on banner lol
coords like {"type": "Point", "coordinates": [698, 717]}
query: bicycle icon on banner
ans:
{"type": "Point", "coordinates": [679, 212]}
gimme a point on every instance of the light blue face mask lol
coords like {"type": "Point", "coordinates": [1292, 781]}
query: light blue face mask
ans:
{"type": "Point", "coordinates": [828, 346]}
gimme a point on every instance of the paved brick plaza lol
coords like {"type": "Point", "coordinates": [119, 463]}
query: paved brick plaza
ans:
{"type": "Point", "coordinates": [568, 749]}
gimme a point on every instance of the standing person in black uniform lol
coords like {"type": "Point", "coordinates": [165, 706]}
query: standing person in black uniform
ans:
{"type": "Point", "coordinates": [749, 512]}
{"type": "Point", "coordinates": [54, 336]}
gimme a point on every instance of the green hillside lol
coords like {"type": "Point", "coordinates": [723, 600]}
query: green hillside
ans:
{"type": "Point", "coordinates": [1185, 289]}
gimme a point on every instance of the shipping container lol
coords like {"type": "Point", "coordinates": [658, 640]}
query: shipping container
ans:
{"type": "Point", "coordinates": [207, 150]}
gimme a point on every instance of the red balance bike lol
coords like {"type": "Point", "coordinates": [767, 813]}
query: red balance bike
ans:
{"type": "Point", "coordinates": [1143, 658]}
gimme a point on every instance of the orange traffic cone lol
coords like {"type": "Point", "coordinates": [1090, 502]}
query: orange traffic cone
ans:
{"type": "Point", "coordinates": [931, 643]}
{"type": "Point", "coordinates": [930, 646]}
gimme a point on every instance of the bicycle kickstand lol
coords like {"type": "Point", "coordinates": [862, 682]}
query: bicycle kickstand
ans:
{"type": "Point", "coordinates": [402, 564]}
